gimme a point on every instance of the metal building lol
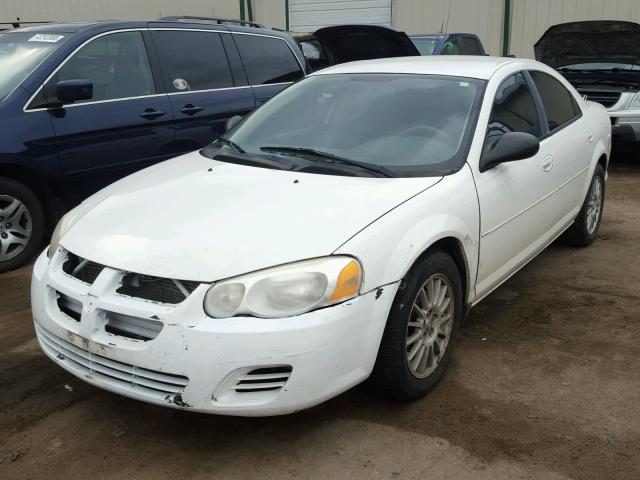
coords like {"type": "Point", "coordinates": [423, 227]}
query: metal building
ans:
{"type": "Point", "coordinates": [505, 26]}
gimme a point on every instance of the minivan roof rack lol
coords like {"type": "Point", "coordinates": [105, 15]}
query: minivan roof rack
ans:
{"type": "Point", "coordinates": [182, 18]}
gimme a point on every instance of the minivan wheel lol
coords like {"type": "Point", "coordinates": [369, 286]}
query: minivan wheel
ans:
{"type": "Point", "coordinates": [585, 228]}
{"type": "Point", "coordinates": [422, 325]}
{"type": "Point", "coordinates": [21, 224]}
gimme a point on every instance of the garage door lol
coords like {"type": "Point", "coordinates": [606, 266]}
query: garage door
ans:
{"type": "Point", "coordinates": [309, 15]}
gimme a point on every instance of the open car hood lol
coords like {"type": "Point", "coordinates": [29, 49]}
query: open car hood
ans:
{"type": "Point", "coordinates": [607, 41]}
{"type": "Point", "coordinates": [348, 43]}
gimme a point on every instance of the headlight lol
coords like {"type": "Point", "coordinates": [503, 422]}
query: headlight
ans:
{"type": "Point", "coordinates": [635, 101]}
{"type": "Point", "coordinates": [61, 228]}
{"type": "Point", "coordinates": [286, 290]}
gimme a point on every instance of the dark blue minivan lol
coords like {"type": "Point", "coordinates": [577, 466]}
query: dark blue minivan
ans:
{"type": "Point", "coordinates": [84, 104]}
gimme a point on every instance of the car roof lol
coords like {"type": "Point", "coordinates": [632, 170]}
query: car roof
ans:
{"type": "Point", "coordinates": [106, 25]}
{"type": "Point", "coordinates": [454, 65]}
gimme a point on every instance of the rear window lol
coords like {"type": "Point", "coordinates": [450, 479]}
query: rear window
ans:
{"type": "Point", "coordinates": [267, 60]}
{"type": "Point", "coordinates": [425, 45]}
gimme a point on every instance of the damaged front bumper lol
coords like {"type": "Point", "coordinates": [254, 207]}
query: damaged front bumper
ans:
{"type": "Point", "coordinates": [175, 355]}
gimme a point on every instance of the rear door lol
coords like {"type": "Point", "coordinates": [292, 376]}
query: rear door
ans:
{"type": "Point", "coordinates": [205, 83]}
{"type": "Point", "coordinates": [270, 64]}
{"type": "Point", "coordinates": [127, 123]}
{"type": "Point", "coordinates": [567, 144]}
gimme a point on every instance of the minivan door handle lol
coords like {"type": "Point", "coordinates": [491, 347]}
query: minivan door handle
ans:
{"type": "Point", "coordinates": [190, 109]}
{"type": "Point", "coordinates": [152, 113]}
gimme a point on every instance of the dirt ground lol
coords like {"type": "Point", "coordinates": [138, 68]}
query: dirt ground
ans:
{"type": "Point", "coordinates": [544, 383]}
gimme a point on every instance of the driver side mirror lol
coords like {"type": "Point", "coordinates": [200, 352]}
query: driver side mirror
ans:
{"type": "Point", "coordinates": [69, 91]}
{"type": "Point", "coordinates": [508, 147]}
{"type": "Point", "coordinates": [232, 122]}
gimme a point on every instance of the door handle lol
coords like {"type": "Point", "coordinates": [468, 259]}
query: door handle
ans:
{"type": "Point", "coordinates": [547, 163]}
{"type": "Point", "coordinates": [152, 113]}
{"type": "Point", "coordinates": [190, 109]}
{"type": "Point", "coordinates": [590, 138]}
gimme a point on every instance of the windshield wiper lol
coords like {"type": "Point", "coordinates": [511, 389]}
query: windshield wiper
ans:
{"type": "Point", "coordinates": [234, 145]}
{"type": "Point", "coordinates": [330, 158]}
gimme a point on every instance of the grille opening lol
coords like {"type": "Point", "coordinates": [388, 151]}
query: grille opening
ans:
{"type": "Point", "coordinates": [156, 289]}
{"type": "Point", "coordinates": [81, 268]}
{"type": "Point", "coordinates": [607, 98]}
{"type": "Point", "coordinates": [136, 328]}
{"type": "Point", "coordinates": [264, 379]}
{"type": "Point", "coordinates": [70, 307]}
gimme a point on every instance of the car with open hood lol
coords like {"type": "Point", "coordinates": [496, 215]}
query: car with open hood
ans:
{"type": "Point", "coordinates": [339, 233]}
{"type": "Point", "coordinates": [601, 59]}
{"type": "Point", "coordinates": [347, 43]}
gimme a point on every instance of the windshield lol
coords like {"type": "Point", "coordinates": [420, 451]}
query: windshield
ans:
{"type": "Point", "coordinates": [425, 45]}
{"type": "Point", "coordinates": [21, 53]}
{"type": "Point", "coordinates": [602, 66]}
{"type": "Point", "coordinates": [408, 125]}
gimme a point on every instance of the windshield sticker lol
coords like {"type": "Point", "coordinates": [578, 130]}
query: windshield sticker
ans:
{"type": "Point", "coordinates": [46, 37]}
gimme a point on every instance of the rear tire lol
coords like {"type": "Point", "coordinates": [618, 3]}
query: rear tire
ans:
{"type": "Point", "coordinates": [21, 224]}
{"type": "Point", "coordinates": [422, 325]}
{"type": "Point", "coordinates": [585, 229]}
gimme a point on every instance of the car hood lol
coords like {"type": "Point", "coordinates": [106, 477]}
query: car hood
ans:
{"type": "Point", "coordinates": [193, 218]}
{"type": "Point", "coordinates": [348, 43]}
{"type": "Point", "coordinates": [607, 41]}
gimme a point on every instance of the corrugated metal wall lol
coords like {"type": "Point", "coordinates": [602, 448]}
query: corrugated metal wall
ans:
{"type": "Point", "coordinates": [482, 17]}
{"type": "Point", "coordinates": [70, 10]}
{"type": "Point", "coordinates": [530, 19]}
{"type": "Point", "coordinates": [269, 12]}
{"type": "Point", "coordinates": [309, 15]}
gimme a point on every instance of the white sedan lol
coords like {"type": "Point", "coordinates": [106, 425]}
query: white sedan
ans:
{"type": "Point", "coordinates": [339, 233]}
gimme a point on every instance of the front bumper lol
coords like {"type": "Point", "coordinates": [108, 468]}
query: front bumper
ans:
{"type": "Point", "coordinates": [625, 125]}
{"type": "Point", "coordinates": [196, 362]}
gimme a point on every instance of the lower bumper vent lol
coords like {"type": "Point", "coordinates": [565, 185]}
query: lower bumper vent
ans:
{"type": "Point", "coordinates": [263, 379]}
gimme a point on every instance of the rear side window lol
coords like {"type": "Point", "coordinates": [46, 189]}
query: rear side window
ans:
{"type": "Point", "coordinates": [268, 60]}
{"type": "Point", "coordinates": [117, 64]}
{"type": "Point", "coordinates": [469, 46]}
{"type": "Point", "coordinates": [192, 60]}
{"type": "Point", "coordinates": [558, 102]}
{"type": "Point", "coordinates": [514, 109]}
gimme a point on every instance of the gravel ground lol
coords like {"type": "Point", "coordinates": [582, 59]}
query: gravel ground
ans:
{"type": "Point", "coordinates": [544, 383]}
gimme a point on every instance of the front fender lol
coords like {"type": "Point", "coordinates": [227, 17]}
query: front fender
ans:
{"type": "Point", "coordinates": [389, 247]}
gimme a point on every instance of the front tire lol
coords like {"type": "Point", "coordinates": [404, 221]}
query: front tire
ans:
{"type": "Point", "coordinates": [585, 229]}
{"type": "Point", "coordinates": [21, 224]}
{"type": "Point", "coordinates": [422, 325]}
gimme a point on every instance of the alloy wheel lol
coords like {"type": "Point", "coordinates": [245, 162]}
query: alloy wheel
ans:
{"type": "Point", "coordinates": [429, 327]}
{"type": "Point", "coordinates": [594, 205]}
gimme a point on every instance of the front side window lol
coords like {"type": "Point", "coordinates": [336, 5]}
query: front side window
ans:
{"type": "Point", "coordinates": [117, 64]}
{"type": "Point", "coordinates": [192, 60]}
{"type": "Point", "coordinates": [21, 53]}
{"type": "Point", "coordinates": [558, 102]}
{"type": "Point", "coordinates": [514, 109]}
{"type": "Point", "coordinates": [267, 60]}
{"type": "Point", "coordinates": [412, 125]}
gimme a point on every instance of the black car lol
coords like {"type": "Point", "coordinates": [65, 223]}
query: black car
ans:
{"type": "Point", "coordinates": [347, 43]}
{"type": "Point", "coordinates": [88, 103]}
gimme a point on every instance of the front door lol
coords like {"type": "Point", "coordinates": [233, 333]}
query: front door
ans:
{"type": "Point", "coordinates": [125, 126]}
{"type": "Point", "coordinates": [514, 197]}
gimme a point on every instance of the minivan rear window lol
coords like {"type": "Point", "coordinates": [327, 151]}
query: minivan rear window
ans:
{"type": "Point", "coordinates": [268, 60]}
{"type": "Point", "coordinates": [21, 53]}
